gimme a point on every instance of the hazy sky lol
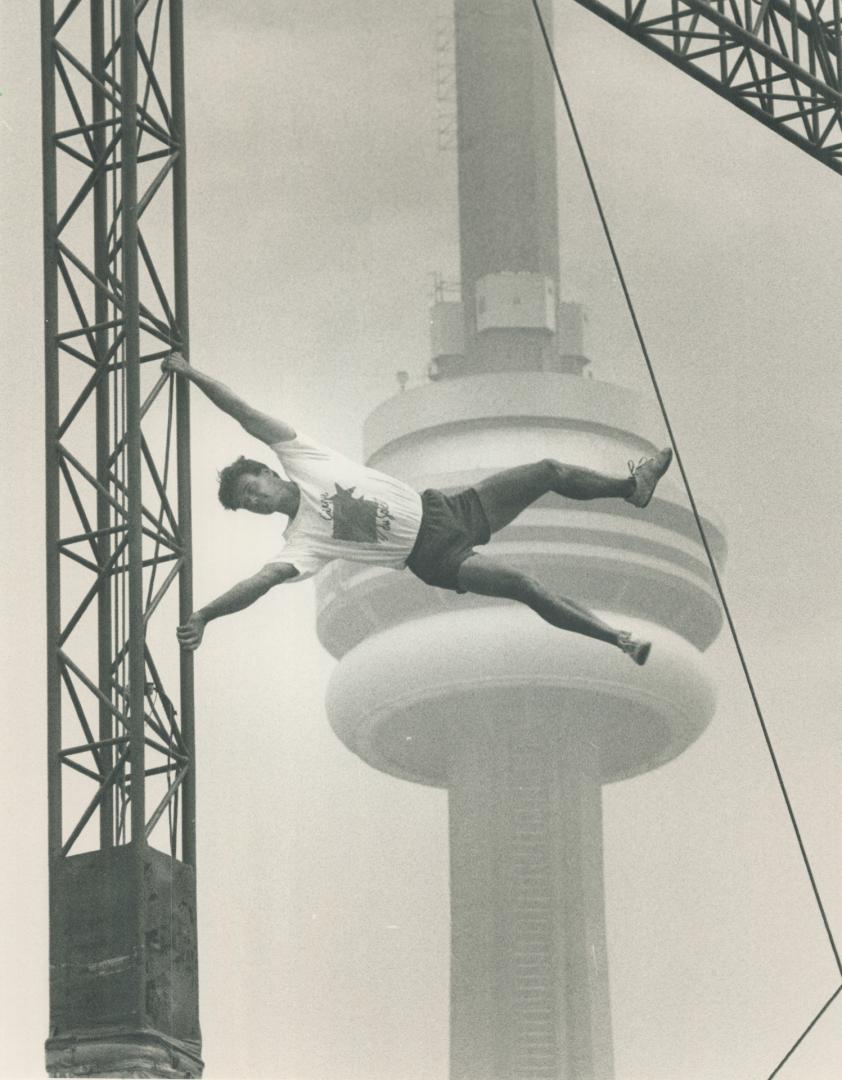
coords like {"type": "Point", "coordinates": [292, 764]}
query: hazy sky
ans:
{"type": "Point", "coordinates": [319, 208]}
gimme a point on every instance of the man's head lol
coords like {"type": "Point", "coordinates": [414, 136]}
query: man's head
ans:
{"type": "Point", "coordinates": [250, 485]}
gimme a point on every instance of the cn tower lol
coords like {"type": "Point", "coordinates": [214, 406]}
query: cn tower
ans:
{"type": "Point", "coordinates": [520, 722]}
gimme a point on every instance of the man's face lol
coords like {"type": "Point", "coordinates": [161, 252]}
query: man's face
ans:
{"type": "Point", "coordinates": [260, 492]}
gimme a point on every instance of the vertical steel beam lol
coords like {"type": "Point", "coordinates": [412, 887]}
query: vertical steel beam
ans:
{"type": "Point", "coordinates": [188, 840]}
{"type": "Point", "coordinates": [48, 106]}
{"type": "Point", "coordinates": [52, 459]}
{"type": "Point", "coordinates": [137, 630]}
{"type": "Point", "coordinates": [131, 314]}
{"type": "Point", "coordinates": [103, 414]}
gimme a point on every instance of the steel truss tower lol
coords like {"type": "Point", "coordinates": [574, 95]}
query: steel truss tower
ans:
{"type": "Point", "coordinates": [123, 959]}
{"type": "Point", "coordinates": [778, 60]}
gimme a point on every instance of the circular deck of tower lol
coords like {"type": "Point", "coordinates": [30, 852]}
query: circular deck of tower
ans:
{"type": "Point", "coordinates": [416, 663]}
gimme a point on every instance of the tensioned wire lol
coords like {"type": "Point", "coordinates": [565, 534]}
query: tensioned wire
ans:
{"type": "Point", "coordinates": [693, 507]}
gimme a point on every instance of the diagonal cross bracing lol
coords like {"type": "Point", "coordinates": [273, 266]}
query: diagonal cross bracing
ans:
{"type": "Point", "coordinates": [778, 60]}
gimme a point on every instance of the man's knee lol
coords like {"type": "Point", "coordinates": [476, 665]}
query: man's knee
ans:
{"type": "Point", "coordinates": [525, 587]}
{"type": "Point", "coordinates": [553, 470]}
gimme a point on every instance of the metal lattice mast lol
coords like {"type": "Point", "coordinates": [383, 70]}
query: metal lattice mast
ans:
{"type": "Point", "coordinates": [124, 986]}
{"type": "Point", "coordinates": [778, 60]}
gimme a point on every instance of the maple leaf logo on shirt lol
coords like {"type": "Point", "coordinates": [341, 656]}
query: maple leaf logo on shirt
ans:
{"type": "Point", "coordinates": [354, 519]}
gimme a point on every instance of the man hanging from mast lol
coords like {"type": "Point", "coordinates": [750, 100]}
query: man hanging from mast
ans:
{"type": "Point", "coordinates": [338, 509]}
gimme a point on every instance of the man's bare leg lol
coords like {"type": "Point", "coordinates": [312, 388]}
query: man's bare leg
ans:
{"type": "Point", "coordinates": [507, 494]}
{"type": "Point", "coordinates": [491, 577]}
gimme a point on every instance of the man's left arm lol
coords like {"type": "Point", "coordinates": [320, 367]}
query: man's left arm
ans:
{"type": "Point", "coordinates": [259, 424]}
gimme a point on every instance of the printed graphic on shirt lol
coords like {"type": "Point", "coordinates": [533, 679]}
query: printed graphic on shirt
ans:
{"type": "Point", "coordinates": [356, 518]}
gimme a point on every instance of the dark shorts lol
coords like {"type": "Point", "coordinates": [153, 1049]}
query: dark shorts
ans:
{"type": "Point", "coordinates": [450, 527]}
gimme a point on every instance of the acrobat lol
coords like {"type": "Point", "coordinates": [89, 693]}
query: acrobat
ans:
{"type": "Point", "coordinates": [338, 509]}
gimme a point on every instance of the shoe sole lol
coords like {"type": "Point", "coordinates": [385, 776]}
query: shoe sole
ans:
{"type": "Point", "coordinates": [641, 658]}
{"type": "Point", "coordinates": [642, 504]}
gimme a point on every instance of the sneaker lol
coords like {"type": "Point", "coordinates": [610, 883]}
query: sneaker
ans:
{"type": "Point", "coordinates": [646, 475]}
{"type": "Point", "coordinates": [637, 650]}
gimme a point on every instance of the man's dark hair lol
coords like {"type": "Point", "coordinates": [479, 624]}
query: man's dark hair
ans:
{"type": "Point", "coordinates": [229, 476]}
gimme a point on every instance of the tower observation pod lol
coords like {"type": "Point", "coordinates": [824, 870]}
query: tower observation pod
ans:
{"type": "Point", "coordinates": [520, 722]}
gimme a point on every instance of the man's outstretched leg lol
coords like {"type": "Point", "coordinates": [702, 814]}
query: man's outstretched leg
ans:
{"type": "Point", "coordinates": [506, 494]}
{"type": "Point", "coordinates": [490, 577]}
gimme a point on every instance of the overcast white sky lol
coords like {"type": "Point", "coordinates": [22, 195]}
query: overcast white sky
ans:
{"type": "Point", "coordinates": [319, 207]}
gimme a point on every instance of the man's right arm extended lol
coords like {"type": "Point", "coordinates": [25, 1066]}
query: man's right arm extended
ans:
{"type": "Point", "coordinates": [240, 596]}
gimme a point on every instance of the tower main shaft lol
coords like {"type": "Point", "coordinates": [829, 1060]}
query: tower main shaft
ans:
{"type": "Point", "coordinates": [526, 878]}
{"type": "Point", "coordinates": [508, 212]}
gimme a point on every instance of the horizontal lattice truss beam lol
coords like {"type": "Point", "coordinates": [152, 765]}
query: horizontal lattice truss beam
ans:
{"type": "Point", "coordinates": [778, 60]}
